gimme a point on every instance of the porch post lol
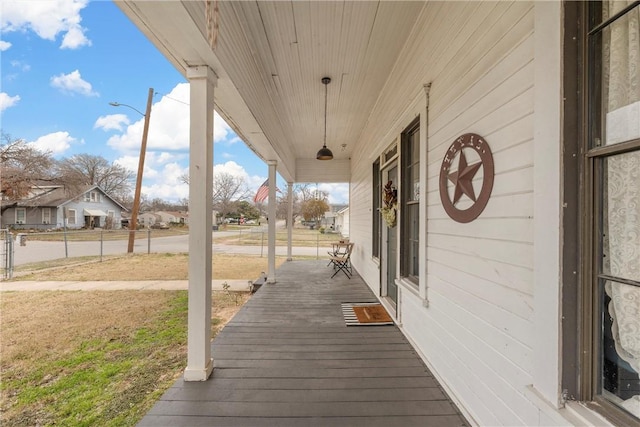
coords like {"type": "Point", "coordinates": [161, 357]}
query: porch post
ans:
{"type": "Point", "coordinates": [271, 209]}
{"type": "Point", "coordinates": [289, 219]}
{"type": "Point", "coordinates": [202, 81]}
{"type": "Point", "coordinates": [547, 273]}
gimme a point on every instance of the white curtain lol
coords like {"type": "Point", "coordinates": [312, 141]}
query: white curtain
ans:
{"type": "Point", "coordinates": [621, 85]}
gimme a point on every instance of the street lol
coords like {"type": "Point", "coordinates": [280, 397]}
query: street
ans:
{"type": "Point", "coordinates": [39, 251]}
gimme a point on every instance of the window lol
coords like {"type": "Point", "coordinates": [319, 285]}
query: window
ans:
{"type": "Point", "coordinates": [21, 215]}
{"type": "Point", "coordinates": [410, 203]}
{"type": "Point", "coordinates": [46, 215]}
{"type": "Point", "coordinates": [71, 216]}
{"type": "Point", "coordinates": [611, 287]}
{"type": "Point", "coordinates": [376, 220]}
{"type": "Point", "coordinates": [92, 196]}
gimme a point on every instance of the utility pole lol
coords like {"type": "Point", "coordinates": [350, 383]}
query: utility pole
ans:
{"type": "Point", "coordinates": [133, 221]}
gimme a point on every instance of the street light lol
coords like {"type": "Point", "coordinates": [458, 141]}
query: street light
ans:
{"type": "Point", "coordinates": [133, 221]}
{"type": "Point", "coordinates": [117, 104]}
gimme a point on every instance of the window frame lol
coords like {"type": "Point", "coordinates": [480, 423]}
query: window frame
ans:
{"type": "Point", "coordinates": [376, 220]}
{"type": "Point", "coordinates": [24, 216]}
{"type": "Point", "coordinates": [592, 174]}
{"type": "Point", "coordinates": [46, 215]}
{"type": "Point", "coordinates": [70, 216]}
{"type": "Point", "coordinates": [92, 196]}
{"type": "Point", "coordinates": [408, 204]}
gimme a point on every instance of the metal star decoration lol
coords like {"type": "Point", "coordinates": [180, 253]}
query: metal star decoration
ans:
{"type": "Point", "coordinates": [463, 177]}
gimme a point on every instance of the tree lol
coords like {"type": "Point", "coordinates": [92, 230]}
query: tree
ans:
{"type": "Point", "coordinates": [314, 209]}
{"type": "Point", "coordinates": [21, 166]}
{"type": "Point", "coordinates": [302, 193]}
{"type": "Point", "coordinates": [227, 191]}
{"type": "Point", "coordinates": [87, 169]}
{"type": "Point", "coordinates": [247, 210]}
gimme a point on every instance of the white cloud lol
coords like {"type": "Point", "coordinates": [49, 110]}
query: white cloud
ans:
{"type": "Point", "coordinates": [4, 45]}
{"type": "Point", "coordinates": [232, 168]}
{"type": "Point", "coordinates": [111, 122]}
{"type": "Point", "coordinates": [56, 143]}
{"type": "Point", "coordinates": [46, 18]}
{"type": "Point", "coordinates": [7, 101]}
{"type": "Point", "coordinates": [73, 83]}
{"type": "Point", "coordinates": [23, 66]}
{"type": "Point", "coordinates": [128, 162]}
{"type": "Point", "coordinates": [74, 38]}
{"type": "Point", "coordinates": [167, 192]}
{"type": "Point", "coordinates": [168, 125]}
{"type": "Point", "coordinates": [161, 176]}
{"type": "Point", "coordinates": [166, 157]}
{"type": "Point", "coordinates": [338, 193]}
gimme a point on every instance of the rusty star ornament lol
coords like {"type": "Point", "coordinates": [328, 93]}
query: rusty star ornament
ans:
{"type": "Point", "coordinates": [462, 179]}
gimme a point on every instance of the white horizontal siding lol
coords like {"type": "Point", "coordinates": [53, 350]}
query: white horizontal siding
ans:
{"type": "Point", "coordinates": [477, 331]}
{"type": "Point", "coordinates": [486, 384]}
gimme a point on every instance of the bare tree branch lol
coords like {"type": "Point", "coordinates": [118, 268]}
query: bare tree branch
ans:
{"type": "Point", "coordinates": [21, 166]}
{"type": "Point", "coordinates": [87, 169]}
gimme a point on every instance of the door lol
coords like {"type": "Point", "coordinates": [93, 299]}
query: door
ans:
{"type": "Point", "coordinates": [389, 252]}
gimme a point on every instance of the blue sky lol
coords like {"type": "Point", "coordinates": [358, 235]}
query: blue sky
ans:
{"type": "Point", "coordinates": [63, 61]}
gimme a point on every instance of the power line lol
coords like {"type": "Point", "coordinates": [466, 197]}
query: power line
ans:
{"type": "Point", "coordinates": [171, 98]}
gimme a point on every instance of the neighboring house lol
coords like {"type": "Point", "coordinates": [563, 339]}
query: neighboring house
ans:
{"type": "Point", "coordinates": [508, 134]}
{"type": "Point", "coordinates": [148, 219]}
{"type": "Point", "coordinates": [175, 217]}
{"type": "Point", "coordinates": [54, 206]}
{"type": "Point", "coordinates": [342, 222]}
{"type": "Point", "coordinates": [329, 219]}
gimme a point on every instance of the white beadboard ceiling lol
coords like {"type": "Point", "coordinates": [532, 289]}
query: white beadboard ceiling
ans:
{"type": "Point", "coordinates": [270, 58]}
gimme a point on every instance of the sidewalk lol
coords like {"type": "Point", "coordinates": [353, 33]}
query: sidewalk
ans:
{"type": "Point", "coordinates": [143, 285]}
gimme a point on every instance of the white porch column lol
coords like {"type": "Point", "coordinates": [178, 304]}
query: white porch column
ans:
{"type": "Point", "coordinates": [289, 219]}
{"type": "Point", "coordinates": [202, 81]}
{"type": "Point", "coordinates": [271, 209]}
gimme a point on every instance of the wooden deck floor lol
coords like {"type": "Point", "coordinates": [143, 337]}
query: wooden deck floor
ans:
{"type": "Point", "coordinates": [287, 359]}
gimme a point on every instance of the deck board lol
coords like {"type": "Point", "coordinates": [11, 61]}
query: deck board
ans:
{"type": "Point", "coordinates": [287, 359]}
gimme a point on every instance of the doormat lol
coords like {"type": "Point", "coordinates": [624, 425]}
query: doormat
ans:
{"type": "Point", "coordinates": [365, 314]}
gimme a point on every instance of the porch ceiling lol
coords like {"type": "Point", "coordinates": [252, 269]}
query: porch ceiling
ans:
{"type": "Point", "coordinates": [270, 58]}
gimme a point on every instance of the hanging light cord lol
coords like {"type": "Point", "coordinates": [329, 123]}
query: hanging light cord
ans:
{"type": "Point", "coordinates": [325, 153]}
{"type": "Point", "coordinates": [325, 115]}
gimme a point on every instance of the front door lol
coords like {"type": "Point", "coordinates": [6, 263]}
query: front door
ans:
{"type": "Point", "coordinates": [389, 289]}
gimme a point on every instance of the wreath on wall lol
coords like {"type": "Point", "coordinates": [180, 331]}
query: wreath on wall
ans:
{"type": "Point", "coordinates": [390, 200]}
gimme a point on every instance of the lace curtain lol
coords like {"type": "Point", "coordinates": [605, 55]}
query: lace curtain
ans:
{"type": "Point", "coordinates": [621, 85]}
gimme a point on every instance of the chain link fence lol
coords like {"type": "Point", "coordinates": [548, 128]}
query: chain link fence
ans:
{"type": "Point", "coordinates": [7, 253]}
{"type": "Point", "coordinates": [34, 247]}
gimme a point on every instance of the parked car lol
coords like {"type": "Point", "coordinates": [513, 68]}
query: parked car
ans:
{"type": "Point", "coordinates": [160, 226]}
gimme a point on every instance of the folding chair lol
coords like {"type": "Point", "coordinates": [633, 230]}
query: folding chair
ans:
{"type": "Point", "coordinates": [342, 262]}
{"type": "Point", "coordinates": [339, 249]}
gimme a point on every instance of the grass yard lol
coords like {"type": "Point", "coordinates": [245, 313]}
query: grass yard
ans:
{"type": "Point", "coordinates": [144, 267]}
{"type": "Point", "coordinates": [93, 358]}
{"type": "Point", "coordinates": [102, 358]}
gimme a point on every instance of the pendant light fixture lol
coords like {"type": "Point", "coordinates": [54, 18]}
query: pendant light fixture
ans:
{"type": "Point", "coordinates": [324, 153]}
